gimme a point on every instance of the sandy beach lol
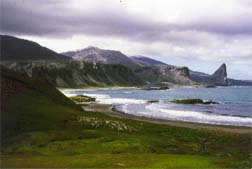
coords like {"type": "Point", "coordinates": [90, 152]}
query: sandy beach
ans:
{"type": "Point", "coordinates": [109, 110]}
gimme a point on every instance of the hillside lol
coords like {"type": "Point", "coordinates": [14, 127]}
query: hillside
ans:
{"type": "Point", "coordinates": [97, 55]}
{"type": "Point", "coordinates": [29, 104]}
{"type": "Point", "coordinates": [77, 73]}
{"type": "Point", "coordinates": [13, 48]}
{"type": "Point", "coordinates": [40, 127]}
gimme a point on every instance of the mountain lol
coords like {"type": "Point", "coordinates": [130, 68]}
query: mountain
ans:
{"type": "Point", "coordinates": [148, 62]}
{"type": "Point", "coordinates": [13, 48]}
{"type": "Point", "coordinates": [29, 104]}
{"type": "Point", "coordinates": [218, 78]}
{"type": "Point", "coordinates": [107, 67]}
{"type": "Point", "coordinates": [72, 73]}
{"type": "Point", "coordinates": [97, 55]}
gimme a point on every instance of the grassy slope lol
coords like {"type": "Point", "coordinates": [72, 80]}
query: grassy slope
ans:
{"type": "Point", "coordinates": [56, 133]}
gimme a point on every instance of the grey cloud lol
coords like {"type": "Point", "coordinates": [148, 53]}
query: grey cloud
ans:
{"type": "Point", "coordinates": [56, 18]}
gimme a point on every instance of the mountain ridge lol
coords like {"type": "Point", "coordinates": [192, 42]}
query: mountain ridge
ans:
{"type": "Point", "coordinates": [97, 55]}
{"type": "Point", "coordinates": [147, 62]}
{"type": "Point", "coordinates": [102, 67]}
{"type": "Point", "coordinates": [13, 48]}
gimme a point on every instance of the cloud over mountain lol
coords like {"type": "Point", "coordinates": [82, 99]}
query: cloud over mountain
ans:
{"type": "Point", "coordinates": [206, 30]}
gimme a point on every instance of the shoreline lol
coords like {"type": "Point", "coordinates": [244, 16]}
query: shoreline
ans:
{"type": "Point", "coordinates": [100, 88]}
{"type": "Point", "coordinates": [110, 111]}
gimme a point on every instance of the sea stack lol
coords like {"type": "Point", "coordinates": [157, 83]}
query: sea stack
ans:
{"type": "Point", "coordinates": [220, 76]}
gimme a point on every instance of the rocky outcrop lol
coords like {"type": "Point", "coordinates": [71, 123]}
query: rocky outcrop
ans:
{"type": "Point", "coordinates": [97, 55]}
{"type": "Point", "coordinates": [193, 101]}
{"type": "Point", "coordinates": [13, 48]}
{"type": "Point", "coordinates": [218, 78]}
{"type": "Point", "coordinates": [175, 75]}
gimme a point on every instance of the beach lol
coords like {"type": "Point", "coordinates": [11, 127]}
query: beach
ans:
{"type": "Point", "coordinates": [109, 110]}
{"type": "Point", "coordinates": [230, 106]}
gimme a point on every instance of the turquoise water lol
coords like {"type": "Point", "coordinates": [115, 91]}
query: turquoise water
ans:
{"type": "Point", "coordinates": [235, 106]}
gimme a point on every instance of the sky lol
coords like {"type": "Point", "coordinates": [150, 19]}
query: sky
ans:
{"type": "Point", "coordinates": [195, 33]}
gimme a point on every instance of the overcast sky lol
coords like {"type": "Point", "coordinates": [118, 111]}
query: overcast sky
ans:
{"type": "Point", "coordinates": [201, 34]}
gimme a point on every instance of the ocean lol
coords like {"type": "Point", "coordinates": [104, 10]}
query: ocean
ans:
{"type": "Point", "coordinates": [235, 106]}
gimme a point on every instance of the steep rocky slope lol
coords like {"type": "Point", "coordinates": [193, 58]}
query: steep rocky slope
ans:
{"type": "Point", "coordinates": [176, 75]}
{"type": "Point", "coordinates": [218, 78]}
{"type": "Point", "coordinates": [77, 73]}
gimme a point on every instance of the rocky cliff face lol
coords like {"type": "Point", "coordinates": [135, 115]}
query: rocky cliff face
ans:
{"type": "Point", "coordinates": [77, 73]}
{"type": "Point", "coordinates": [175, 75]}
{"type": "Point", "coordinates": [97, 55]}
{"type": "Point", "coordinates": [218, 78]}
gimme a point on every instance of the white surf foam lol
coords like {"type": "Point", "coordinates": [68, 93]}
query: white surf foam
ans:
{"type": "Point", "coordinates": [102, 98]}
{"type": "Point", "coordinates": [159, 112]}
{"type": "Point", "coordinates": [106, 99]}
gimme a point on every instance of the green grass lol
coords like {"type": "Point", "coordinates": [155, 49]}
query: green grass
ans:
{"type": "Point", "coordinates": [44, 129]}
{"type": "Point", "coordinates": [135, 161]}
{"type": "Point", "coordinates": [159, 147]}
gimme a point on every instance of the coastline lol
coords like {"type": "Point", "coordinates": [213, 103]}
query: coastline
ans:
{"type": "Point", "coordinates": [110, 111]}
{"type": "Point", "coordinates": [100, 88]}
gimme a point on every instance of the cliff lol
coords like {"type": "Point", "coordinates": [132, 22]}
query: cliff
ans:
{"type": "Point", "coordinates": [175, 75]}
{"type": "Point", "coordinates": [76, 73]}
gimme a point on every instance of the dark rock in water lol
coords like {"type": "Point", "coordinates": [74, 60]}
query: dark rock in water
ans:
{"type": "Point", "coordinates": [82, 98]}
{"type": "Point", "coordinates": [210, 102]}
{"type": "Point", "coordinates": [193, 101]}
{"type": "Point", "coordinates": [155, 88]}
{"type": "Point", "coordinates": [210, 86]}
{"type": "Point", "coordinates": [153, 101]}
